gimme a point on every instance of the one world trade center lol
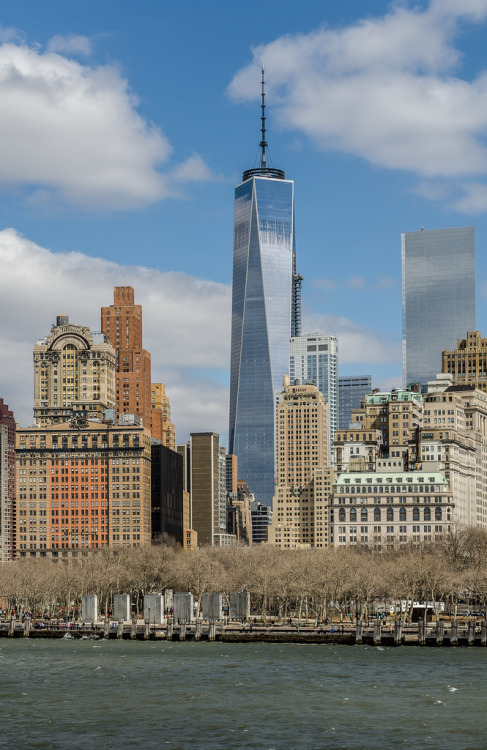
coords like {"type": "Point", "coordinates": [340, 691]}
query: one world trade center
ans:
{"type": "Point", "coordinates": [265, 314]}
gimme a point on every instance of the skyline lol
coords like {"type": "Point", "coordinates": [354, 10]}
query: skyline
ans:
{"type": "Point", "coordinates": [112, 140]}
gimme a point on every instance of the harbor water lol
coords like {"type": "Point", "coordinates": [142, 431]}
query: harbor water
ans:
{"type": "Point", "coordinates": [120, 694]}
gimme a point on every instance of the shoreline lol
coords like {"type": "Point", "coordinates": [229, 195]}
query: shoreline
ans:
{"type": "Point", "coordinates": [441, 635]}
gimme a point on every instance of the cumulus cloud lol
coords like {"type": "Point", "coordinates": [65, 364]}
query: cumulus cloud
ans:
{"type": "Point", "coordinates": [386, 89]}
{"type": "Point", "coordinates": [186, 325]}
{"type": "Point", "coordinates": [72, 44]}
{"type": "Point", "coordinates": [72, 133]}
{"type": "Point", "coordinates": [356, 344]}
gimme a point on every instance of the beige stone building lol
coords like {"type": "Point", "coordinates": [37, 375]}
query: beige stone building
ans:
{"type": "Point", "coordinates": [426, 461]}
{"type": "Point", "coordinates": [467, 364]}
{"type": "Point", "coordinates": [82, 485]}
{"type": "Point", "coordinates": [398, 415]}
{"type": "Point", "coordinates": [454, 437]}
{"type": "Point", "coordinates": [74, 371]}
{"type": "Point", "coordinates": [160, 416]}
{"type": "Point", "coordinates": [388, 507]}
{"type": "Point", "coordinates": [300, 505]}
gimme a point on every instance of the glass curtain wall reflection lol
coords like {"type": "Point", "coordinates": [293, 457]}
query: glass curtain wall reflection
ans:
{"type": "Point", "coordinates": [261, 321]}
{"type": "Point", "coordinates": [438, 297]}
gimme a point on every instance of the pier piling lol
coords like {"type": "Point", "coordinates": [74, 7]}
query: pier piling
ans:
{"type": "Point", "coordinates": [197, 630]}
{"type": "Point", "coordinates": [377, 633]}
{"type": "Point", "coordinates": [440, 632]}
{"type": "Point", "coordinates": [359, 631]}
{"type": "Point", "coordinates": [397, 633]}
{"type": "Point", "coordinates": [421, 633]}
{"type": "Point", "coordinates": [454, 633]}
{"type": "Point", "coordinates": [182, 631]}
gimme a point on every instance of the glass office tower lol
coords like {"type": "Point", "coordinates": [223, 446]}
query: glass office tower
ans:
{"type": "Point", "coordinates": [351, 390]}
{"type": "Point", "coordinates": [266, 308]}
{"type": "Point", "coordinates": [261, 321]}
{"type": "Point", "coordinates": [438, 297]}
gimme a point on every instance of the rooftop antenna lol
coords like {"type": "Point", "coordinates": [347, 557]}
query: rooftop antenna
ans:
{"type": "Point", "coordinates": [263, 170]}
{"type": "Point", "coordinates": [263, 142]}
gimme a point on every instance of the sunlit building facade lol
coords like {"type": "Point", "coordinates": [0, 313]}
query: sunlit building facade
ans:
{"type": "Point", "coordinates": [314, 360]}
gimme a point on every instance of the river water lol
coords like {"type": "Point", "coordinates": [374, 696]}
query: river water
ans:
{"type": "Point", "coordinates": [118, 694]}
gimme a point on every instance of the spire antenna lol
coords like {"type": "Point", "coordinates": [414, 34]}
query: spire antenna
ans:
{"type": "Point", "coordinates": [263, 142]}
{"type": "Point", "coordinates": [263, 170]}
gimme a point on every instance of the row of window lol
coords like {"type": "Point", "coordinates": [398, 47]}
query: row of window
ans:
{"type": "Point", "coordinates": [378, 514]}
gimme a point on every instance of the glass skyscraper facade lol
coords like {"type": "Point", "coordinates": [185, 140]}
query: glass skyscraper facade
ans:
{"type": "Point", "coordinates": [438, 297]}
{"type": "Point", "coordinates": [351, 390]}
{"type": "Point", "coordinates": [262, 295]}
{"type": "Point", "coordinates": [313, 358]}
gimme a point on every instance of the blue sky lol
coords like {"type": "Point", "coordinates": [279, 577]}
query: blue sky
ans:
{"type": "Point", "coordinates": [125, 127]}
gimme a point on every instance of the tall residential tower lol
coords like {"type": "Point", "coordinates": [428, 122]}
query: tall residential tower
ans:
{"type": "Point", "coordinates": [265, 306]}
{"type": "Point", "coordinates": [314, 360]}
{"type": "Point", "coordinates": [122, 325]}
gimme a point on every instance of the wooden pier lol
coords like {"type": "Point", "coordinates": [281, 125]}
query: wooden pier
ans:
{"type": "Point", "coordinates": [442, 634]}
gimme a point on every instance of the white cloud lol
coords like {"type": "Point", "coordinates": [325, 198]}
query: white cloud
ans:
{"type": "Point", "coordinates": [356, 344]}
{"type": "Point", "coordinates": [186, 325]}
{"type": "Point", "coordinates": [474, 199]}
{"type": "Point", "coordinates": [194, 169]}
{"type": "Point", "coordinates": [72, 44]}
{"type": "Point", "coordinates": [386, 89]}
{"type": "Point", "coordinates": [72, 133]}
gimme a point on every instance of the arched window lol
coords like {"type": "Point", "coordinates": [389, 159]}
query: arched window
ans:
{"type": "Point", "coordinates": [363, 514]}
{"type": "Point", "coordinates": [415, 514]}
{"type": "Point", "coordinates": [353, 514]}
{"type": "Point", "coordinates": [376, 514]}
{"type": "Point", "coordinates": [427, 514]}
{"type": "Point", "coordinates": [341, 514]}
{"type": "Point", "coordinates": [438, 514]}
{"type": "Point", "coordinates": [390, 514]}
{"type": "Point", "coordinates": [402, 514]}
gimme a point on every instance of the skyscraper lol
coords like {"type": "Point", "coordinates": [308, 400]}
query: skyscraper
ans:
{"type": "Point", "coordinates": [351, 390]}
{"type": "Point", "coordinates": [314, 359]}
{"type": "Point", "coordinates": [265, 297]}
{"type": "Point", "coordinates": [438, 297]}
{"type": "Point", "coordinates": [304, 478]}
{"type": "Point", "coordinates": [204, 478]}
{"type": "Point", "coordinates": [122, 325]}
{"type": "Point", "coordinates": [7, 483]}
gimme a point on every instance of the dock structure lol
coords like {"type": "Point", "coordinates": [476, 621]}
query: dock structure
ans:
{"type": "Point", "coordinates": [444, 633]}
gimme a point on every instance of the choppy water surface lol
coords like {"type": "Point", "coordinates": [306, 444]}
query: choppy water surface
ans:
{"type": "Point", "coordinates": [120, 694]}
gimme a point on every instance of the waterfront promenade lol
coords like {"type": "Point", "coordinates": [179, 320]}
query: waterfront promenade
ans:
{"type": "Point", "coordinates": [444, 633]}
